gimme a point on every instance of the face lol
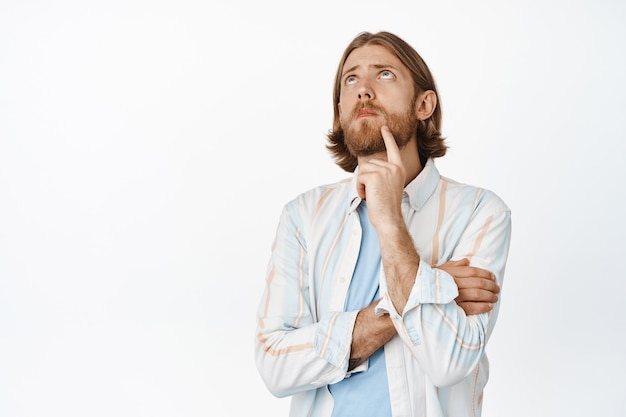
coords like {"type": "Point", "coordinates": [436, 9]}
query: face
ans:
{"type": "Point", "coordinates": [376, 89]}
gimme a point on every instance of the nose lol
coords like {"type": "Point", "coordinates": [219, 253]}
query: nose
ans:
{"type": "Point", "coordinates": [365, 92]}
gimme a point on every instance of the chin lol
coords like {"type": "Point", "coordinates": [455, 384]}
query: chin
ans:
{"type": "Point", "coordinates": [366, 146]}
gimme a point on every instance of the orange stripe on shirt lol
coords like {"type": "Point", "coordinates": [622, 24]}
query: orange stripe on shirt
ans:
{"type": "Point", "coordinates": [330, 331]}
{"type": "Point", "coordinates": [321, 200]}
{"type": "Point", "coordinates": [481, 236]}
{"type": "Point", "coordinates": [456, 331]}
{"type": "Point", "coordinates": [279, 352]}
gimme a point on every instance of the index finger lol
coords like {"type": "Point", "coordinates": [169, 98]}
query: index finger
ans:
{"type": "Point", "coordinates": [393, 153]}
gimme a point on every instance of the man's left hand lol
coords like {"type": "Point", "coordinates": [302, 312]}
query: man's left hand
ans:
{"type": "Point", "coordinates": [478, 289]}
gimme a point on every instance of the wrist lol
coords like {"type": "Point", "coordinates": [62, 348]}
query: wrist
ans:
{"type": "Point", "coordinates": [392, 229]}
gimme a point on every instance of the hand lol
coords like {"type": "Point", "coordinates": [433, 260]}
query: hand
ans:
{"type": "Point", "coordinates": [478, 289]}
{"type": "Point", "coordinates": [381, 183]}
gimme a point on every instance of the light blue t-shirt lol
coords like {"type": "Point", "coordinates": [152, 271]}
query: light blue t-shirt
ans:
{"type": "Point", "coordinates": [364, 393]}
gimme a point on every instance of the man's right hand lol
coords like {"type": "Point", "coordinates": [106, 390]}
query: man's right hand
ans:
{"type": "Point", "coordinates": [478, 289]}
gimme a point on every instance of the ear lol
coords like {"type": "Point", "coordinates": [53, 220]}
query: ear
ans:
{"type": "Point", "coordinates": [425, 104]}
{"type": "Point", "coordinates": [339, 108]}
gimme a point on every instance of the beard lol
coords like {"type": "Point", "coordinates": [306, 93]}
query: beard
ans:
{"type": "Point", "coordinates": [363, 136]}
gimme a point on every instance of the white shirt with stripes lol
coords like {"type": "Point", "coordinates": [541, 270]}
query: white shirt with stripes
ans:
{"type": "Point", "coordinates": [436, 364]}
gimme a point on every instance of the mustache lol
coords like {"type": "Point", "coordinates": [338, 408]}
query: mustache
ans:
{"type": "Point", "coordinates": [368, 107]}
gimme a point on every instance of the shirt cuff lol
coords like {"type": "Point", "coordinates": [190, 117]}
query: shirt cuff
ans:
{"type": "Point", "coordinates": [432, 286]}
{"type": "Point", "coordinates": [333, 339]}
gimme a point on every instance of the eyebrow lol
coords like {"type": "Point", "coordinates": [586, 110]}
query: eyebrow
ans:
{"type": "Point", "coordinates": [375, 66]}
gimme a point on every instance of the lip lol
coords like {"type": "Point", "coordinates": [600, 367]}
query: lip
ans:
{"type": "Point", "coordinates": [366, 113]}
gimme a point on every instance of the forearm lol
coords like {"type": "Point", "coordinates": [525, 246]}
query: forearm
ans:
{"type": "Point", "coordinates": [400, 263]}
{"type": "Point", "coordinates": [370, 333]}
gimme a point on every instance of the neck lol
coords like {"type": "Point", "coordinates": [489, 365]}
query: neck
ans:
{"type": "Point", "coordinates": [410, 160]}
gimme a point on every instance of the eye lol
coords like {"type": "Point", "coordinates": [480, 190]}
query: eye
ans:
{"type": "Point", "coordinates": [387, 75]}
{"type": "Point", "coordinates": [351, 79]}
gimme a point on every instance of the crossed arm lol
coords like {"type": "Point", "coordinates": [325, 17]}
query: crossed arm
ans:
{"type": "Point", "coordinates": [478, 291]}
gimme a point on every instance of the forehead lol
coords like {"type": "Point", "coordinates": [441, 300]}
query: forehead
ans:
{"type": "Point", "coordinates": [374, 56]}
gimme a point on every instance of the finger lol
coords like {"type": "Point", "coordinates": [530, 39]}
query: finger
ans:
{"type": "Point", "coordinates": [483, 273]}
{"type": "Point", "coordinates": [460, 262]}
{"type": "Point", "coordinates": [475, 308]}
{"type": "Point", "coordinates": [469, 271]}
{"type": "Point", "coordinates": [477, 296]}
{"type": "Point", "coordinates": [478, 283]}
{"type": "Point", "coordinates": [455, 268]}
{"type": "Point", "coordinates": [472, 271]}
{"type": "Point", "coordinates": [393, 152]}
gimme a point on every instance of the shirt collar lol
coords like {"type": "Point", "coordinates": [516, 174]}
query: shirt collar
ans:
{"type": "Point", "coordinates": [417, 191]}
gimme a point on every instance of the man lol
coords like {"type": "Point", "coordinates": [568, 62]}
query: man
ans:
{"type": "Point", "coordinates": [382, 290]}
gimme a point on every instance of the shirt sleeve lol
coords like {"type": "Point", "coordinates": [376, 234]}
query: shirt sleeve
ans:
{"type": "Point", "coordinates": [446, 342]}
{"type": "Point", "coordinates": [296, 351]}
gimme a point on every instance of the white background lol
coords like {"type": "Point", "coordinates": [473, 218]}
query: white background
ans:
{"type": "Point", "coordinates": [147, 147]}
